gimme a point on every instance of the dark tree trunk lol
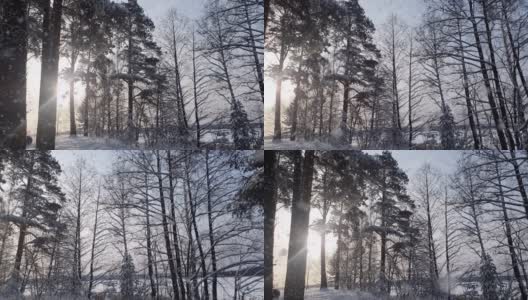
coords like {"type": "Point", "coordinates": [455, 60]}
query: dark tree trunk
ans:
{"type": "Point", "coordinates": [87, 99]}
{"type": "Point", "coordinates": [469, 106]}
{"type": "Point", "coordinates": [166, 230]}
{"type": "Point", "coordinates": [447, 248]}
{"type": "Point", "coordinates": [296, 270]}
{"type": "Point", "coordinates": [295, 104]}
{"type": "Point", "coordinates": [511, 247]}
{"type": "Point", "coordinates": [498, 88]}
{"type": "Point", "coordinates": [491, 99]}
{"type": "Point", "coordinates": [22, 229]}
{"type": "Point", "coordinates": [73, 127]}
{"type": "Point", "coordinates": [520, 181]}
{"type": "Point", "coordinates": [270, 208]}
{"type": "Point", "coordinates": [266, 14]}
{"type": "Point", "coordinates": [92, 254]}
{"type": "Point", "coordinates": [153, 290]}
{"type": "Point", "coordinates": [197, 235]}
{"type": "Point", "coordinates": [46, 127]}
{"type": "Point", "coordinates": [258, 65]}
{"type": "Point", "coordinates": [130, 82]}
{"type": "Point", "coordinates": [13, 77]}
{"type": "Point", "coordinates": [212, 241]}
{"type": "Point", "coordinates": [410, 96]}
{"type": "Point", "coordinates": [195, 90]}
{"type": "Point", "coordinates": [338, 251]}
{"type": "Point", "coordinates": [324, 281]}
{"type": "Point", "coordinates": [175, 227]}
{"type": "Point", "coordinates": [344, 113]}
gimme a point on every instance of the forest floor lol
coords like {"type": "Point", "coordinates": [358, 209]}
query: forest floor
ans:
{"type": "Point", "coordinates": [331, 294]}
{"type": "Point", "coordinates": [286, 144]}
{"type": "Point", "coordinates": [67, 142]}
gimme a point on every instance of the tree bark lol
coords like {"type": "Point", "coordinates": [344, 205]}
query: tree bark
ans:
{"type": "Point", "coordinates": [46, 127]}
{"type": "Point", "coordinates": [511, 248]}
{"type": "Point", "coordinates": [73, 127]}
{"type": "Point", "coordinates": [448, 265]}
{"type": "Point", "coordinates": [469, 106]}
{"type": "Point", "coordinates": [195, 90]}
{"type": "Point", "coordinates": [130, 82]}
{"type": "Point", "coordinates": [196, 234]}
{"type": "Point", "coordinates": [166, 230]}
{"type": "Point", "coordinates": [175, 227]}
{"type": "Point", "coordinates": [338, 251]}
{"type": "Point", "coordinates": [212, 241]}
{"type": "Point", "coordinates": [494, 110]}
{"type": "Point", "coordinates": [153, 290]}
{"type": "Point", "coordinates": [94, 239]}
{"type": "Point", "coordinates": [295, 104]}
{"type": "Point", "coordinates": [498, 88]}
{"type": "Point", "coordinates": [270, 208]}
{"type": "Point", "coordinates": [296, 270]}
{"type": "Point", "coordinates": [13, 77]}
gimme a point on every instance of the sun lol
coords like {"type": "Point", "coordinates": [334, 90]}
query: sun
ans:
{"type": "Point", "coordinates": [313, 244]}
{"type": "Point", "coordinates": [269, 92]}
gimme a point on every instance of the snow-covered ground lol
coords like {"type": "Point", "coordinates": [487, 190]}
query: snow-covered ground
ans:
{"type": "Point", "coordinates": [67, 142]}
{"type": "Point", "coordinates": [80, 142]}
{"type": "Point", "coordinates": [331, 294]}
{"type": "Point", "coordinates": [286, 144]}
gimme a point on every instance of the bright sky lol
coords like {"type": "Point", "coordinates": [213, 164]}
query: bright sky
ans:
{"type": "Point", "coordinates": [409, 161]}
{"type": "Point", "coordinates": [378, 11]}
{"type": "Point", "coordinates": [155, 9]}
{"type": "Point", "coordinates": [101, 160]}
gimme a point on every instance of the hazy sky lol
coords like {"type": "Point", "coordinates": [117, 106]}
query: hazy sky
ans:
{"type": "Point", "coordinates": [378, 11]}
{"type": "Point", "coordinates": [155, 9]}
{"type": "Point", "coordinates": [101, 160]}
{"type": "Point", "coordinates": [409, 161]}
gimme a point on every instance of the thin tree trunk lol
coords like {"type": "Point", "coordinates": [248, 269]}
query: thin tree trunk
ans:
{"type": "Point", "coordinates": [182, 115]}
{"type": "Point", "coordinates": [295, 104]}
{"type": "Point", "coordinates": [511, 248]}
{"type": "Point", "coordinates": [517, 63]}
{"type": "Point", "coordinates": [195, 90]}
{"type": "Point", "coordinates": [498, 88]}
{"type": "Point", "coordinates": [338, 251]}
{"type": "Point", "coordinates": [211, 232]}
{"type": "Point", "coordinates": [520, 181]}
{"type": "Point", "coordinates": [130, 82]}
{"type": "Point", "coordinates": [73, 59]}
{"type": "Point", "coordinates": [94, 239]}
{"type": "Point", "coordinates": [448, 265]}
{"type": "Point", "coordinates": [196, 234]}
{"type": "Point", "coordinates": [494, 110]}
{"type": "Point", "coordinates": [258, 65]}
{"type": "Point", "coordinates": [166, 230]}
{"type": "Point", "coordinates": [174, 226]}
{"type": "Point", "coordinates": [410, 94]}
{"type": "Point", "coordinates": [469, 106]}
{"type": "Point", "coordinates": [153, 290]}
{"type": "Point", "coordinates": [324, 281]}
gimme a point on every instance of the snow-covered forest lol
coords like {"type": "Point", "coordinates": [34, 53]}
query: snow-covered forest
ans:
{"type": "Point", "coordinates": [355, 225]}
{"type": "Point", "coordinates": [131, 225]}
{"type": "Point", "coordinates": [111, 72]}
{"type": "Point", "coordinates": [456, 78]}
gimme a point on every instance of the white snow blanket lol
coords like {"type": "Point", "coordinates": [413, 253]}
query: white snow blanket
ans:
{"type": "Point", "coordinates": [332, 294]}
